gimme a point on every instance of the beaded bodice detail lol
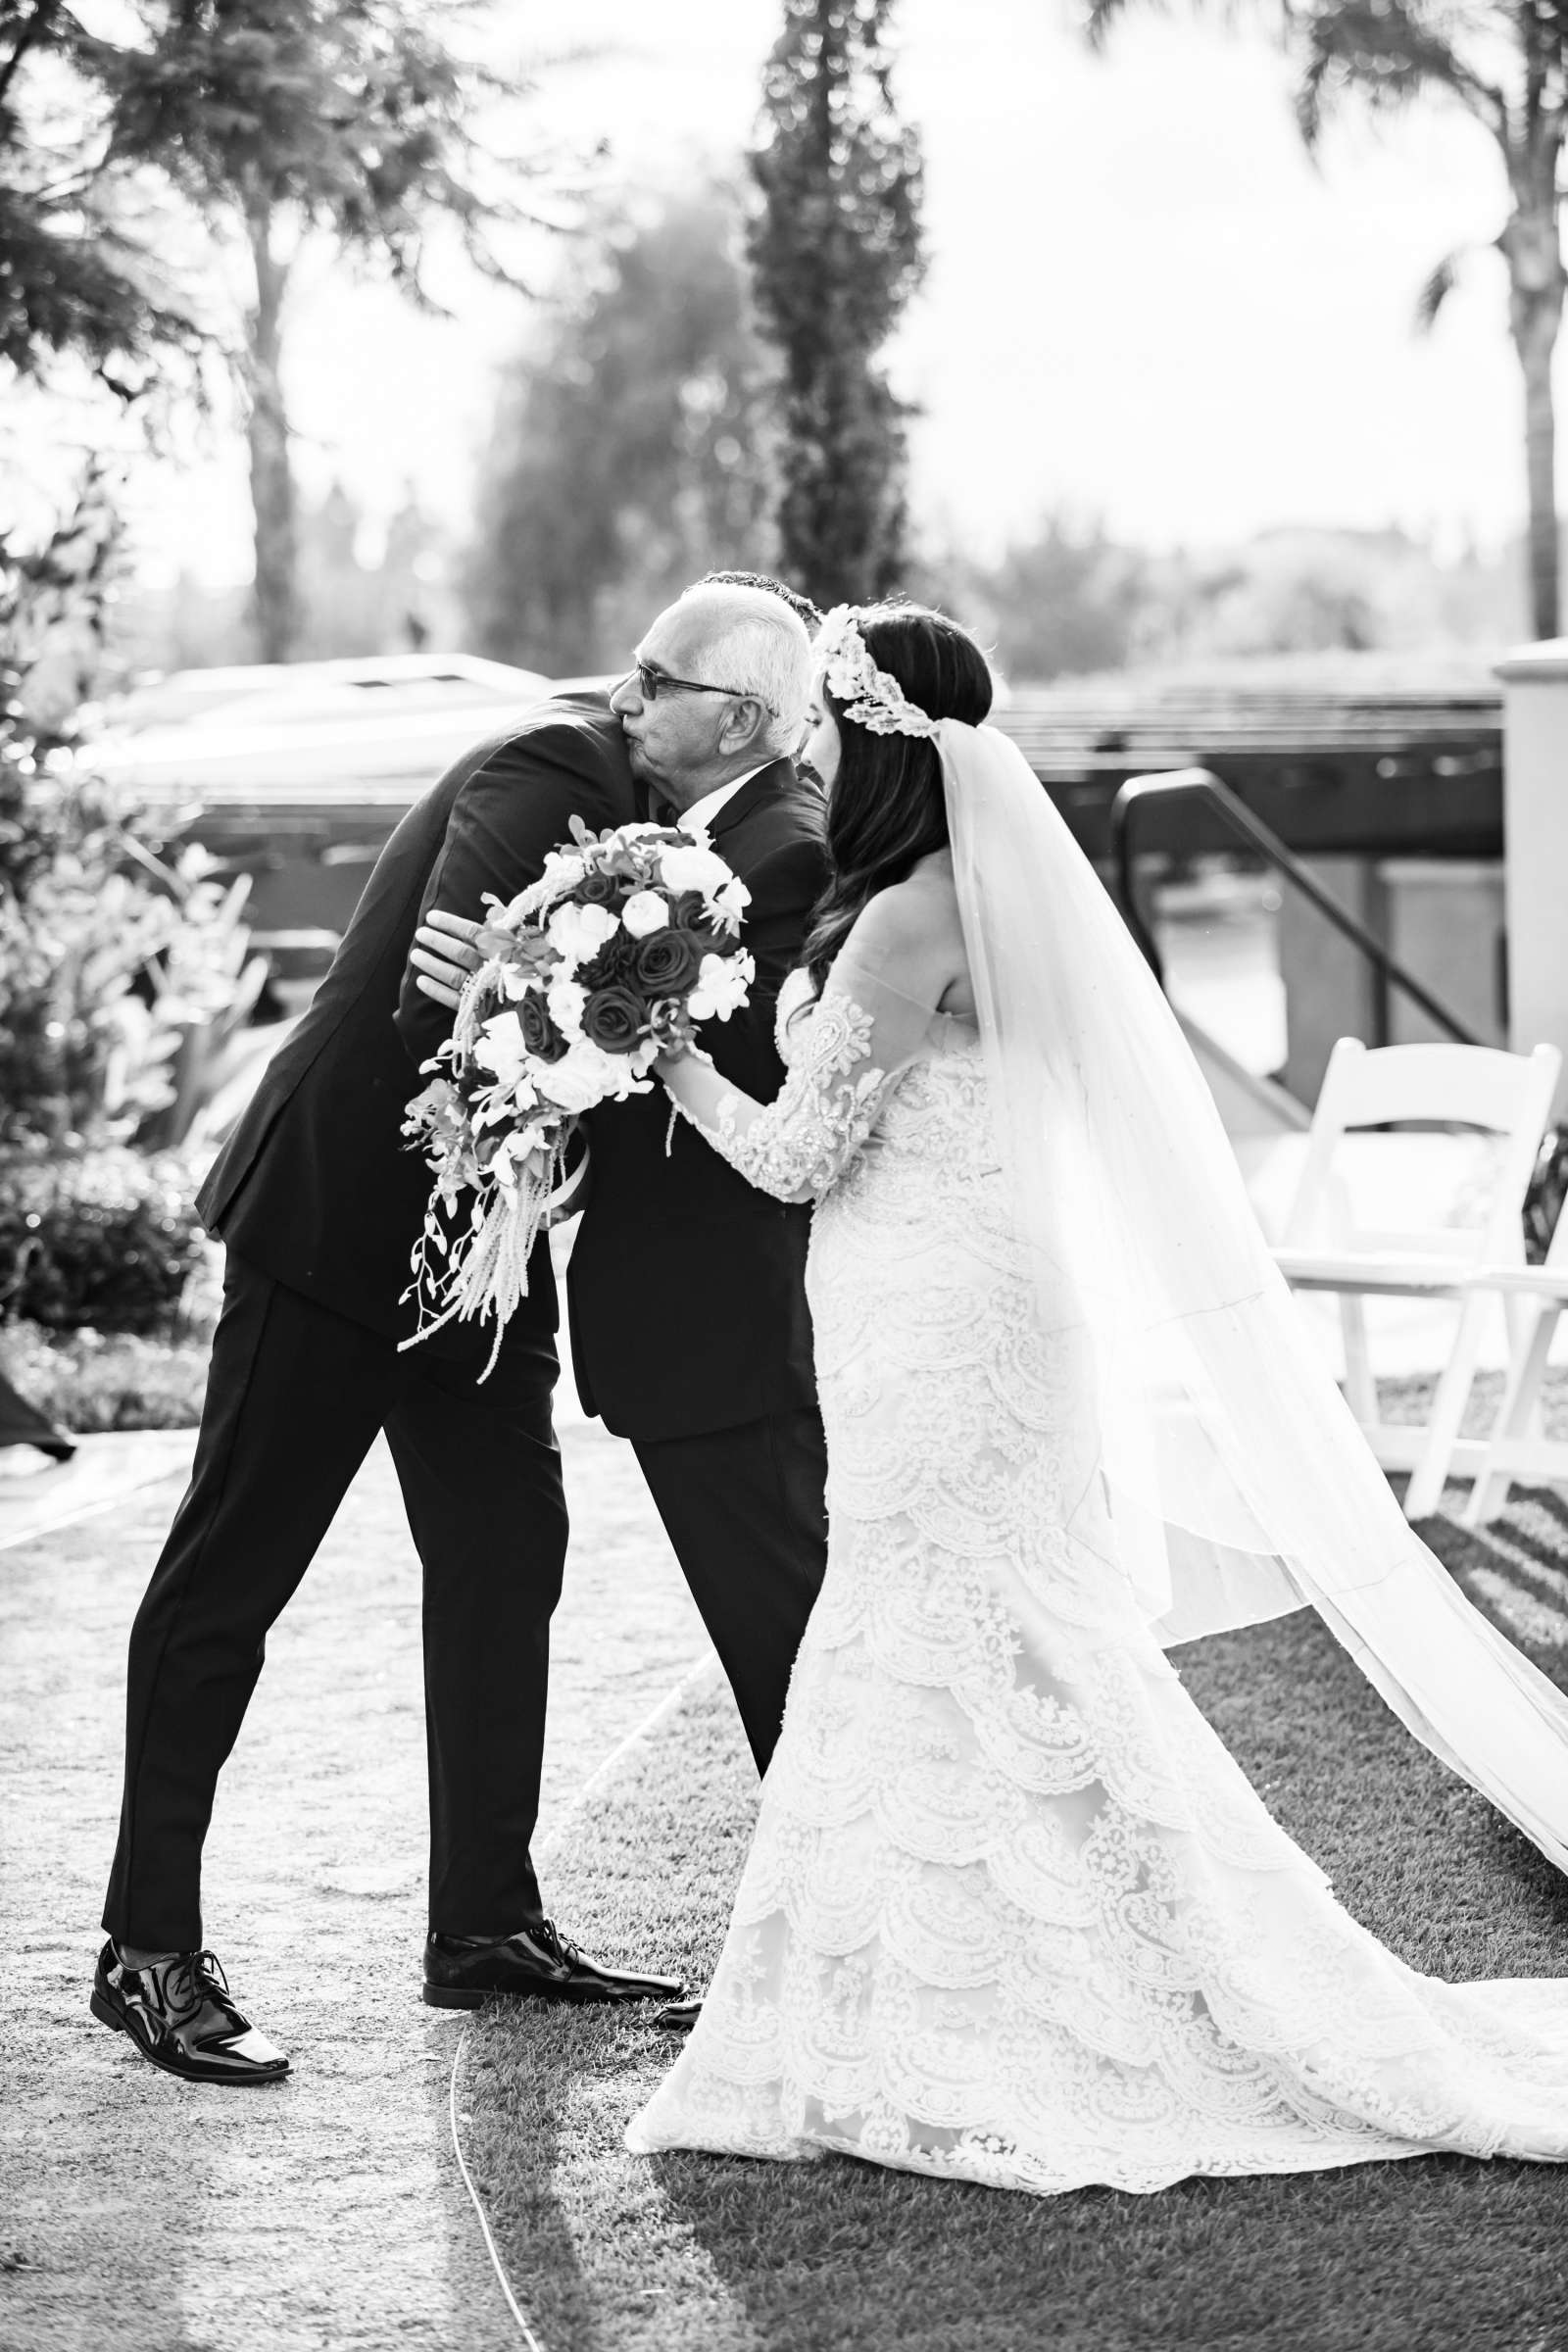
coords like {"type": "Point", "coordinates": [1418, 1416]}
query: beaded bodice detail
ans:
{"type": "Point", "coordinates": [840, 1109]}
{"type": "Point", "coordinates": [933, 1116]}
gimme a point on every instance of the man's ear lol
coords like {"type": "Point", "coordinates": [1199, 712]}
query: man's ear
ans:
{"type": "Point", "coordinates": [744, 726]}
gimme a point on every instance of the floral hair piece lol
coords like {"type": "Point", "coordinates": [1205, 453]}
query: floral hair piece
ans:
{"type": "Point", "coordinates": [869, 696]}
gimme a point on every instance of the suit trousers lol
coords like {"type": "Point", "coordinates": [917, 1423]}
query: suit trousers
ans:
{"type": "Point", "coordinates": [295, 1397]}
{"type": "Point", "coordinates": [744, 1510]}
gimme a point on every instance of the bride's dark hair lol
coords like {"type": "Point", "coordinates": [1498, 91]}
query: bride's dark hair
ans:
{"type": "Point", "coordinates": [885, 809]}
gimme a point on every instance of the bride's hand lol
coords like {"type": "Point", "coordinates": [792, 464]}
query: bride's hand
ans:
{"type": "Point", "coordinates": [680, 1058]}
{"type": "Point", "coordinates": [444, 953]}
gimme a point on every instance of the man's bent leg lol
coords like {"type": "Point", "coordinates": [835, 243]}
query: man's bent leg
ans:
{"type": "Point", "coordinates": [294, 1397]}
{"type": "Point", "coordinates": [744, 1510]}
{"type": "Point", "coordinates": [481, 1480]}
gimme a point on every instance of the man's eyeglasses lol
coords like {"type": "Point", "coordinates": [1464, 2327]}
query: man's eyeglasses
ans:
{"type": "Point", "coordinates": [651, 683]}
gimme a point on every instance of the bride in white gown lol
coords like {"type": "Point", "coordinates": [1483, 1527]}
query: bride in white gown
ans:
{"type": "Point", "coordinates": [1011, 1913]}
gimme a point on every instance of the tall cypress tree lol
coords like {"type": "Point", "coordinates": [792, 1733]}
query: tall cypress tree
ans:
{"type": "Point", "coordinates": [836, 252]}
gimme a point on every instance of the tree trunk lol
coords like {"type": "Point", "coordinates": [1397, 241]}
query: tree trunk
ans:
{"type": "Point", "coordinates": [275, 598]}
{"type": "Point", "coordinates": [1532, 247]}
{"type": "Point", "coordinates": [1540, 473]}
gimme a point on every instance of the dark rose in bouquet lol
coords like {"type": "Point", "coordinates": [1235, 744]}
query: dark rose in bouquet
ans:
{"type": "Point", "coordinates": [613, 1019]}
{"type": "Point", "coordinates": [689, 911]}
{"type": "Point", "coordinates": [539, 1031]}
{"type": "Point", "coordinates": [617, 960]}
{"type": "Point", "coordinates": [668, 961]}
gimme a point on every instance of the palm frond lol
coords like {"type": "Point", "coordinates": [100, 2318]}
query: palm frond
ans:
{"type": "Point", "coordinates": [1436, 287]}
{"type": "Point", "coordinates": [1099, 19]}
{"type": "Point", "coordinates": [1309, 97]}
{"type": "Point", "coordinates": [1383, 52]}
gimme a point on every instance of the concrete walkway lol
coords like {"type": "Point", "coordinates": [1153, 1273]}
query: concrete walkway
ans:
{"type": "Point", "coordinates": [103, 1473]}
{"type": "Point", "coordinates": [162, 2217]}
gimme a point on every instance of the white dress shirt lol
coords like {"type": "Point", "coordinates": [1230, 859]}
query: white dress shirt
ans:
{"type": "Point", "coordinates": [701, 812]}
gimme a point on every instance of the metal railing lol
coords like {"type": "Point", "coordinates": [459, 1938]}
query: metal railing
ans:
{"type": "Point", "coordinates": [1198, 783]}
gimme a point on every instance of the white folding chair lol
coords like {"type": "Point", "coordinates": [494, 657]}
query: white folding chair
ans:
{"type": "Point", "coordinates": [1506, 1095]}
{"type": "Point", "coordinates": [1516, 1447]}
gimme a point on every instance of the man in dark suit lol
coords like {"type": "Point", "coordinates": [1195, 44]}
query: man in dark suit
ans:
{"type": "Point", "coordinates": [320, 1205]}
{"type": "Point", "coordinates": [690, 1333]}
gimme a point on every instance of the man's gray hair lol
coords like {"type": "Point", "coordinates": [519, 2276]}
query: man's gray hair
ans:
{"type": "Point", "coordinates": [752, 641]}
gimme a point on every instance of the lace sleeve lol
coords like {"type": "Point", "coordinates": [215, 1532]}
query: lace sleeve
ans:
{"type": "Point", "coordinates": [847, 1052]}
{"type": "Point", "coordinates": [800, 1144]}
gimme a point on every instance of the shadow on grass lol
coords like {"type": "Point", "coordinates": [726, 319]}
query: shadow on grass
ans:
{"type": "Point", "coordinates": [1383, 2258]}
{"type": "Point", "coordinates": [611, 2253]}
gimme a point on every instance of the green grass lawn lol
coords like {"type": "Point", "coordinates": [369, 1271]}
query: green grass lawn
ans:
{"type": "Point", "coordinates": [611, 2253]}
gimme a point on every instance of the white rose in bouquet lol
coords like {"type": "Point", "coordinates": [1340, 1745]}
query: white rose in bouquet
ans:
{"type": "Point", "coordinates": [722, 983]}
{"type": "Point", "coordinates": [694, 868]}
{"type": "Point", "coordinates": [588, 1075]}
{"type": "Point", "coordinates": [566, 1000]}
{"type": "Point", "coordinates": [644, 911]}
{"type": "Point", "coordinates": [575, 1082]}
{"type": "Point", "coordinates": [577, 933]}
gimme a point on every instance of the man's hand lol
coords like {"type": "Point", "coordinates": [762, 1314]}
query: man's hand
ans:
{"type": "Point", "coordinates": [444, 955]}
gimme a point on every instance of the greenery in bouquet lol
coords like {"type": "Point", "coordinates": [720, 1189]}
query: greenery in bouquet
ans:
{"type": "Point", "coordinates": [627, 942]}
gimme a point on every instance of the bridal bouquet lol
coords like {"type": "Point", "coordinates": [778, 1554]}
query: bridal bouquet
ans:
{"type": "Point", "coordinates": [627, 940]}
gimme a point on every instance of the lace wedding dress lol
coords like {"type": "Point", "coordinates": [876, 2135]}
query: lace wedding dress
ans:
{"type": "Point", "coordinates": [1012, 1914]}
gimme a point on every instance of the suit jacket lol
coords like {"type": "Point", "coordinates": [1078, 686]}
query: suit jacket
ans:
{"type": "Point", "coordinates": [317, 1186]}
{"type": "Point", "coordinates": [686, 1289]}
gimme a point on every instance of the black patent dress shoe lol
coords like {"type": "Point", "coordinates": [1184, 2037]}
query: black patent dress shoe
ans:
{"type": "Point", "coordinates": [463, 1971]}
{"type": "Point", "coordinates": [678, 2017]}
{"type": "Point", "coordinates": [181, 2016]}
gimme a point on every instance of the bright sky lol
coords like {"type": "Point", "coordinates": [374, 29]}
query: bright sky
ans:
{"type": "Point", "coordinates": [1144, 301]}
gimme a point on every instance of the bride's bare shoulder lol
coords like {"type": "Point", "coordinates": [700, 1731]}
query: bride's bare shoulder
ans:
{"type": "Point", "coordinates": [916, 922]}
{"type": "Point", "coordinates": [925, 902]}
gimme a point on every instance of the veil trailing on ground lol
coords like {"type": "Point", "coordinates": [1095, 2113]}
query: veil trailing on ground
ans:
{"type": "Point", "coordinates": [1232, 1482]}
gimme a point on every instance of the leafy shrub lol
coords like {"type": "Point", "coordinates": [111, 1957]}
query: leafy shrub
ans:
{"type": "Point", "coordinates": [86, 1382]}
{"type": "Point", "coordinates": [111, 946]}
{"type": "Point", "coordinates": [106, 1238]}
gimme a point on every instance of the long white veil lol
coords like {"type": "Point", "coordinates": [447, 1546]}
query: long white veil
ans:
{"type": "Point", "coordinates": [1232, 1483]}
